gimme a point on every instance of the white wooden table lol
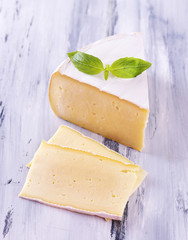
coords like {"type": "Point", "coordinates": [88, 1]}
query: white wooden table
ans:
{"type": "Point", "coordinates": [34, 38]}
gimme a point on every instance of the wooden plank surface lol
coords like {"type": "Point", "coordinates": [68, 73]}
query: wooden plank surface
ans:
{"type": "Point", "coordinates": [34, 38]}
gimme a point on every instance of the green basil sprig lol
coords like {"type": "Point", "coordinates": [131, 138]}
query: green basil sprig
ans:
{"type": "Point", "coordinates": [127, 67]}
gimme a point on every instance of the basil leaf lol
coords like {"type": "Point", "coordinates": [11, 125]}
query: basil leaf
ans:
{"type": "Point", "coordinates": [86, 63]}
{"type": "Point", "coordinates": [128, 67]}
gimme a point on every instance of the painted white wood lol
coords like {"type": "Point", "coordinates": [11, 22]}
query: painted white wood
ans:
{"type": "Point", "coordinates": [34, 38]}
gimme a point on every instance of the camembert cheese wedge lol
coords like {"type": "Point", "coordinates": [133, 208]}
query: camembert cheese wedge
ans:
{"type": "Point", "coordinates": [68, 137]}
{"type": "Point", "coordinates": [79, 181]}
{"type": "Point", "coordinates": [117, 108]}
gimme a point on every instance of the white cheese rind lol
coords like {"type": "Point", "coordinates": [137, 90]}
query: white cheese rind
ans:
{"type": "Point", "coordinates": [109, 49]}
{"type": "Point", "coordinates": [99, 214]}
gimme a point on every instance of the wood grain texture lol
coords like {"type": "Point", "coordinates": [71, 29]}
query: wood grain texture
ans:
{"type": "Point", "coordinates": [34, 38]}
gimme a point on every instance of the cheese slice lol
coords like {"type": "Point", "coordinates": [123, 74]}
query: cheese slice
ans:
{"type": "Point", "coordinates": [68, 137]}
{"type": "Point", "coordinates": [79, 181]}
{"type": "Point", "coordinates": [117, 108]}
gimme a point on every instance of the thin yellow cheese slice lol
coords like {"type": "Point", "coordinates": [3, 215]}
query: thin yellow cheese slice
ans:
{"type": "Point", "coordinates": [68, 137]}
{"type": "Point", "coordinates": [79, 181]}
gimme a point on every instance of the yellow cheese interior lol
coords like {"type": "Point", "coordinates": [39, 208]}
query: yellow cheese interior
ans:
{"type": "Point", "coordinates": [82, 180]}
{"type": "Point", "coordinates": [68, 137]}
{"type": "Point", "coordinates": [98, 111]}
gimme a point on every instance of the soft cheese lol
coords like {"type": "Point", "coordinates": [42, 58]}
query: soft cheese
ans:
{"type": "Point", "coordinates": [116, 108]}
{"type": "Point", "coordinates": [68, 137]}
{"type": "Point", "coordinates": [79, 181]}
